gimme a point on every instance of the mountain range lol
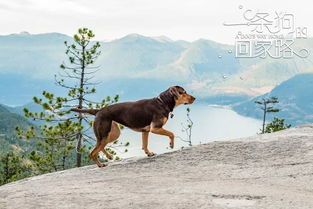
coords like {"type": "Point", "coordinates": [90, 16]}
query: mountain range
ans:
{"type": "Point", "coordinates": [137, 66]}
{"type": "Point", "coordinates": [8, 122]}
{"type": "Point", "coordinates": [295, 101]}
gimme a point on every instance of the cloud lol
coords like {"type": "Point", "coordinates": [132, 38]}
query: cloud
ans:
{"type": "Point", "coordinates": [4, 6]}
{"type": "Point", "coordinates": [15, 4]}
{"type": "Point", "coordinates": [177, 19]}
{"type": "Point", "coordinates": [195, 85]}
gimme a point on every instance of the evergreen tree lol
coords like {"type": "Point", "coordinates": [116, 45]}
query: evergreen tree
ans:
{"type": "Point", "coordinates": [62, 129]}
{"type": "Point", "coordinates": [277, 124]}
{"type": "Point", "coordinates": [13, 167]}
{"type": "Point", "coordinates": [267, 107]}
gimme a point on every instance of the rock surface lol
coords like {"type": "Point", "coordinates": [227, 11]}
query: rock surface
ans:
{"type": "Point", "coordinates": [264, 171]}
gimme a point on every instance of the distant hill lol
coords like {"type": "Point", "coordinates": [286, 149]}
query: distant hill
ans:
{"type": "Point", "coordinates": [3, 109]}
{"type": "Point", "coordinates": [8, 122]}
{"type": "Point", "coordinates": [207, 68]}
{"type": "Point", "coordinates": [295, 101]}
{"type": "Point", "coordinates": [33, 107]}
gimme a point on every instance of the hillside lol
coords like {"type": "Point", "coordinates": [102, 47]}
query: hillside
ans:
{"type": "Point", "coordinates": [295, 101]}
{"type": "Point", "coordinates": [205, 67]}
{"type": "Point", "coordinates": [8, 122]}
{"type": "Point", "coordinates": [265, 171]}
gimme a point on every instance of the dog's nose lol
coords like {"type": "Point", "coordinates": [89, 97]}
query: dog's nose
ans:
{"type": "Point", "coordinates": [193, 98]}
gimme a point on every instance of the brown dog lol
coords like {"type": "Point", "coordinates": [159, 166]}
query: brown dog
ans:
{"type": "Point", "coordinates": [147, 115]}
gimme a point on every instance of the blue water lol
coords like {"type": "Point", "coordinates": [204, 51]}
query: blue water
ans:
{"type": "Point", "coordinates": [210, 124]}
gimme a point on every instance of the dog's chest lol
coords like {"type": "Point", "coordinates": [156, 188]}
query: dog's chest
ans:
{"type": "Point", "coordinates": [143, 129]}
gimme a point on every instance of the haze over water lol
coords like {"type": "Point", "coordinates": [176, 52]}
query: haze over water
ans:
{"type": "Point", "coordinates": [210, 124]}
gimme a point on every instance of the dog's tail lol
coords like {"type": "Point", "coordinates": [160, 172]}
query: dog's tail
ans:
{"type": "Point", "coordinates": [88, 111]}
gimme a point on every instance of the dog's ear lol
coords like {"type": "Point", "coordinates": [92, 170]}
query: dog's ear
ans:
{"type": "Point", "coordinates": [168, 94]}
{"type": "Point", "coordinates": [168, 98]}
{"type": "Point", "coordinates": [174, 91]}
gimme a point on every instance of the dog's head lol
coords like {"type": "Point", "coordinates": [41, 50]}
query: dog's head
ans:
{"type": "Point", "coordinates": [181, 96]}
{"type": "Point", "coordinates": [175, 96]}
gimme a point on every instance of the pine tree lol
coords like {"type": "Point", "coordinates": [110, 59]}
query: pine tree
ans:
{"type": "Point", "coordinates": [267, 107]}
{"type": "Point", "coordinates": [13, 167]}
{"type": "Point", "coordinates": [277, 124]}
{"type": "Point", "coordinates": [62, 129]}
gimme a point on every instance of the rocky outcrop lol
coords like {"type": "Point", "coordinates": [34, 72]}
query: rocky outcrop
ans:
{"type": "Point", "coordinates": [263, 171]}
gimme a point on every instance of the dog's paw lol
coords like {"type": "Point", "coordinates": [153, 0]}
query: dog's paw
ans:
{"type": "Point", "coordinates": [101, 165]}
{"type": "Point", "coordinates": [109, 157]}
{"type": "Point", "coordinates": [171, 145]}
{"type": "Point", "coordinates": [150, 154]}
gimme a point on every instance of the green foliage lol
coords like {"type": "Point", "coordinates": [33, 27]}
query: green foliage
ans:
{"type": "Point", "coordinates": [277, 124]}
{"type": "Point", "coordinates": [266, 105]}
{"type": "Point", "coordinates": [8, 122]}
{"type": "Point", "coordinates": [65, 135]}
{"type": "Point", "coordinates": [55, 149]}
{"type": "Point", "coordinates": [13, 167]}
{"type": "Point", "coordinates": [8, 138]}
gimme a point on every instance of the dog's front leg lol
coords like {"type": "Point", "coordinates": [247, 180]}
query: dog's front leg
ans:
{"type": "Point", "coordinates": [145, 136]}
{"type": "Point", "coordinates": [162, 131]}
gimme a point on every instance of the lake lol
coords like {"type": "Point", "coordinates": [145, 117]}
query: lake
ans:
{"type": "Point", "coordinates": [211, 123]}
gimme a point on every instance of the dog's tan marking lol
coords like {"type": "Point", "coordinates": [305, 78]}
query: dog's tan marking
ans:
{"type": "Point", "coordinates": [162, 131]}
{"type": "Point", "coordinates": [112, 136]}
{"type": "Point", "coordinates": [114, 133]}
{"type": "Point", "coordinates": [94, 154]}
{"type": "Point", "coordinates": [145, 136]}
{"type": "Point", "coordinates": [107, 154]}
{"type": "Point", "coordinates": [183, 99]}
{"type": "Point", "coordinates": [144, 129]}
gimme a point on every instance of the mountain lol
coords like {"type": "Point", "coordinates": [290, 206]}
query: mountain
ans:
{"type": "Point", "coordinates": [135, 54]}
{"type": "Point", "coordinates": [263, 171]}
{"type": "Point", "coordinates": [3, 109]}
{"type": "Point", "coordinates": [295, 101]}
{"type": "Point", "coordinates": [262, 75]}
{"type": "Point", "coordinates": [8, 122]}
{"type": "Point", "coordinates": [34, 56]}
{"type": "Point", "coordinates": [206, 68]}
{"type": "Point", "coordinates": [32, 107]}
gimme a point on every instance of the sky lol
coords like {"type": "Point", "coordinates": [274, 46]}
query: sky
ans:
{"type": "Point", "coordinates": [111, 19]}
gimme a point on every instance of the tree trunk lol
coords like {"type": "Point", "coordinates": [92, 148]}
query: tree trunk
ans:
{"type": "Point", "coordinates": [264, 117]}
{"type": "Point", "coordinates": [6, 169]}
{"type": "Point", "coordinates": [80, 106]}
{"type": "Point", "coordinates": [78, 151]}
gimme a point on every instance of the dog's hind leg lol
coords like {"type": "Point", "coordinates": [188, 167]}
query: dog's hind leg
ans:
{"type": "Point", "coordinates": [113, 135]}
{"type": "Point", "coordinates": [95, 152]}
{"type": "Point", "coordinates": [101, 129]}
